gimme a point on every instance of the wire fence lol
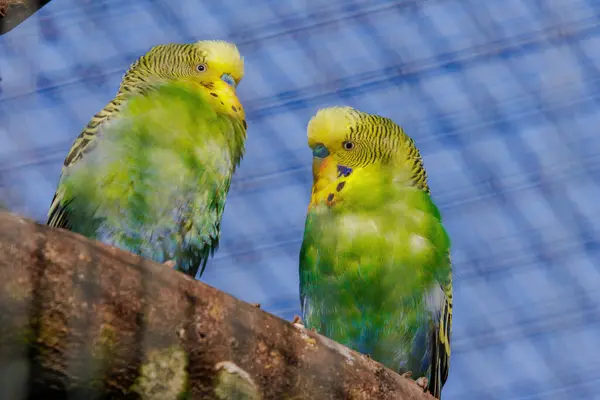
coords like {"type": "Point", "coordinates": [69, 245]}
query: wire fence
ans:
{"type": "Point", "coordinates": [501, 97]}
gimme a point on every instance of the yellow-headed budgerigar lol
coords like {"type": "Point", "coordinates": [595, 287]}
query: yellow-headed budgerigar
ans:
{"type": "Point", "coordinates": [375, 271]}
{"type": "Point", "coordinates": [151, 171]}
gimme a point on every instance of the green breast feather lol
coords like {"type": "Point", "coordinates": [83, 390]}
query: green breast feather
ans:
{"type": "Point", "coordinates": [156, 179]}
{"type": "Point", "coordinates": [372, 267]}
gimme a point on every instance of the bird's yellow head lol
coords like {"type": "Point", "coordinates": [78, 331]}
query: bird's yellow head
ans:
{"type": "Point", "coordinates": [354, 149]}
{"type": "Point", "coordinates": [215, 66]}
{"type": "Point", "coordinates": [344, 139]}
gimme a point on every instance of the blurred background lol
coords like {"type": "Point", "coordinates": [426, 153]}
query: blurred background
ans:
{"type": "Point", "coordinates": [501, 96]}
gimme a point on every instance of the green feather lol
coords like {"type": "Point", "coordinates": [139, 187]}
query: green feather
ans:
{"type": "Point", "coordinates": [156, 179]}
{"type": "Point", "coordinates": [365, 270]}
{"type": "Point", "coordinates": [375, 272]}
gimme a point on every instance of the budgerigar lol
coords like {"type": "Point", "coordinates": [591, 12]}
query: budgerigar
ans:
{"type": "Point", "coordinates": [151, 171]}
{"type": "Point", "coordinates": [375, 271]}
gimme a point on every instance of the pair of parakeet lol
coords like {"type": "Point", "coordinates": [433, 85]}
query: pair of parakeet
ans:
{"type": "Point", "coordinates": [151, 171]}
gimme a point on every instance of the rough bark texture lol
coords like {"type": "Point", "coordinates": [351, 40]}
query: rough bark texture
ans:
{"type": "Point", "coordinates": [83, 320]}
{"type": "Point", "coordinates": [13, 12]}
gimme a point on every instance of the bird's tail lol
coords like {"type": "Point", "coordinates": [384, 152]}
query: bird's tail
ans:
{"type": "Point", "coordinates": [435, 377]}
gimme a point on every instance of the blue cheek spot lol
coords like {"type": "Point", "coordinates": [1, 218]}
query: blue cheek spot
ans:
{"type": "Point", "coordinates": [320, 151]}
{"type": "Point", "coordinates": [228, 79]}
{"type": "Point", "coordinates": [343, 171]}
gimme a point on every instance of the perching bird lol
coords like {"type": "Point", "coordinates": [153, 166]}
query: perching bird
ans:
{"type": "Point", "coordinates": [375, 271]}
{"type": "Point", "coordinates": [151, 171]}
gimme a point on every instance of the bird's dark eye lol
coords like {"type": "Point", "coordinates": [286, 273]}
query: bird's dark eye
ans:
{"type": "Point", "coordinates": [201, 67]}
{"type": "Point", "coordinates": [348, 145]}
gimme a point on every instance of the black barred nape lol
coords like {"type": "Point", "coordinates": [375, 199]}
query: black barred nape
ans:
{"type": "Point", "coordinates": [418, 169]}
{"type": "Point", "coordinates": [390, 139]}
{"type": "Point", "coordinates": [162, 61]}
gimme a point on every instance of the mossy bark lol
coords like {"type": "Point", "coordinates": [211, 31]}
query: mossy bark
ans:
{"type": "Point", "coordinates": [80, 319]}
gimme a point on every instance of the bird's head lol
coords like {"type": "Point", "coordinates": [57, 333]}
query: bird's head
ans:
{"type": "Point", "coordinates": [214, 66]}
{"type": "Point", "coordinates": [345, 139]}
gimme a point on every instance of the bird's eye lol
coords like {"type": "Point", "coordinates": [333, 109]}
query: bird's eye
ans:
{"type": "Point", "coordinates": [201, 67]}
{"type": "Point", "coordinates": [348, 145]}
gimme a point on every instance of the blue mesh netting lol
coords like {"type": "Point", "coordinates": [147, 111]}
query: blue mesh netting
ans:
{"type": "Point", "coordinates": [501, 96]}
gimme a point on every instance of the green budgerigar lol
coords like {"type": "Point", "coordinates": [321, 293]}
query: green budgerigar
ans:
{"type": "Point", "coordinates": [150, 172]}
{"type": "Point", "coordinates": [375, 271]}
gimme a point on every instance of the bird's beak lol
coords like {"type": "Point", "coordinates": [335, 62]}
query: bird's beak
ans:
{"type": "Point", "coordinates": [316, 167]}
{"type": "Point", "coordinates": [321, 161]}
{"type": "Point", "coordinates": [228, 79]}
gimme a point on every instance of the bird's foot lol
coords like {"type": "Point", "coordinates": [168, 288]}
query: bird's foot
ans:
{"type": "Point", "coordinates": [297, 322]}
{"type": "Point", "coordinates": [257, 305]}
{"type": "Point", "coordinates": [170, 263]}
{"type": "Point", "coordinates": [423, 383]}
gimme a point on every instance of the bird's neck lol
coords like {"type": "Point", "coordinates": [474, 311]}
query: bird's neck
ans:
{"type": "Point", "coordinates": [332, 180]}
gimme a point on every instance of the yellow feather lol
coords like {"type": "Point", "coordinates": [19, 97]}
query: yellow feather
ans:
{"type": "Point", "coordinates": [224, 55]}
{"type": "Point", "coordinates": [330, 126]}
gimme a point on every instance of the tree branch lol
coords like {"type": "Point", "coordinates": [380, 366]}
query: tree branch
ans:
{"type": "Point", "coordinates": [80, 318]}
{"type": "Point", "coordinates": [13, 12]}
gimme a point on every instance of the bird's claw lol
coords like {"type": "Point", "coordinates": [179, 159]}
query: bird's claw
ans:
{"type": "Point", "coordinates": [257, 305]}
{"type": "Point", "coordinates": [423, 382]}
{"type": "Point", "coordinates": [297, 322]}
{"type": "Point", "coordinates": [170, 263]}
